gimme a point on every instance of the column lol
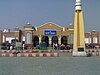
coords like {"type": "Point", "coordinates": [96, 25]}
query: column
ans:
{"type": "Point", "coordinates": [59, 40]}
{"type": "Point", "coordinates": [68, 38]}
{"type": "Point", "coordinates": [50, 41]}
{"type": "Point", "coordinates": [40, 39]}
{"type": "Point", "coordinates": [89, 40]}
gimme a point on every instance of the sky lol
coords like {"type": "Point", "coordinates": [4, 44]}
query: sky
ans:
{"type": "Point", "coordinates": [16, 13]}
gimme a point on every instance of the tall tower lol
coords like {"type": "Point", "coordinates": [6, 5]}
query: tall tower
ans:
{"type": "Point", "coordinates": [79, 40]}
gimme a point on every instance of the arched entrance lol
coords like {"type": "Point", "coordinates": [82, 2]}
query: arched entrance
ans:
{"type": "Point", "coordinates": [35, 41]}
{"type": "Point", "coordinates": [54, 40]}
{"type": "Point", "coordinates": [46, 40]}
{"type": "Point", "coordinates": [64, 40]}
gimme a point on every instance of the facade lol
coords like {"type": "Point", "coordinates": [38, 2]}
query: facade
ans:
{"type": "Point", "coordinates": [52, 33]}
{"type": "Point", "coordinates": [49, 33]}
{"type": "Point", "coordinates": [92, 38]}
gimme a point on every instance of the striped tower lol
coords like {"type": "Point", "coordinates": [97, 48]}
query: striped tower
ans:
{"type": "Point", "coordinates": [79, 41]}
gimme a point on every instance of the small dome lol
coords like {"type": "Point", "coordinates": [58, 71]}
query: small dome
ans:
{"type": "Point", "coordinates": [17, 29]}
{"type": "Point", "coordinates": [93, 30]}
{"type": "Point", "coordinates": [28, 23]}
{"type": "Point", "coordinates": [29, 26]}
{"type": "Point", "coordinates": [70, 24]}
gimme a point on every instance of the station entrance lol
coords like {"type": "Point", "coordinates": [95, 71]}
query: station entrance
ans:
{"type": "Point", "coordinates": [35, 41]}
{"type": "Point", "coordinates": [64, 40]}
{"type": "Point", "coordinates": [54, 40]}
{"type": "Point", "coordinates": [49, 40]}
{"type": "Point", "coordinates": [46, 40]}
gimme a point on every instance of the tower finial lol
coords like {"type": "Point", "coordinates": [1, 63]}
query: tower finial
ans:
{"type": "Point", "coordinates": [78, 5]}
{"type": "Point", "coordinates": [78, 0]}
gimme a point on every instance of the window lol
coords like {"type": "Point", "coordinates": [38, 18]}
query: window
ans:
{"type": "Point", "coordinates": [86, 40]}
{"type": "Point", "coordinates": [94, 39]}
{"type": "Point", "coordinates": [28, 35]}
{"type": "Point", "coordinates": [71, 38]}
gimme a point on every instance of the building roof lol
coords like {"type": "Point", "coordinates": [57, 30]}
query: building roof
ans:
{"type": "Point", "coordinates": [50, 24]}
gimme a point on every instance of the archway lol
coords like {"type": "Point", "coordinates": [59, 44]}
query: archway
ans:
{"type": "Point", "coordinates": [35, 41]}
{"type": "Point", "coordinates": [46, 40]}
{"type": "Point", "coordinates": [64, 40]}
{"type": "Point", "coordinates": [54, 40]}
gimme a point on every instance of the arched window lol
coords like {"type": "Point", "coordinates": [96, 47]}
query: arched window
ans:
{"type": "Point", "coordinates": [28, 36]}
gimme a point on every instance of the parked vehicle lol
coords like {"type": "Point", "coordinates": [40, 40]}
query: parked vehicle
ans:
{"type": "Point", "coordinates": [43, 46]}
{"type": "Point", "coordinates": [3, 46]}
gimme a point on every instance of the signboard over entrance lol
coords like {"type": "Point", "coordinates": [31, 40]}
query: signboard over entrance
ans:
{"type": "Point", "coordinates": [50, 32]}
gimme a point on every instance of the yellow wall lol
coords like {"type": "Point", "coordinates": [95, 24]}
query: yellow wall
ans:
{"type": "Point", "coordinates": [52, 26]}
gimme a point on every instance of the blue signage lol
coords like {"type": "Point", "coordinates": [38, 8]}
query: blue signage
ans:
{"type": "Point", "coordinates": [50, 32]}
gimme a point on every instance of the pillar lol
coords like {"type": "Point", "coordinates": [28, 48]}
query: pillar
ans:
{"type": "Point", "coordinates": [40, 39]}
{"type": "Point", "coordinates": [59, 40]}
{"type": "Point", "coordinates": [79, 37]}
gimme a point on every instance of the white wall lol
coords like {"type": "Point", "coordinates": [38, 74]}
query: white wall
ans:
{"type": "Point", "coordinates": [23, 38]}
{"type": "Point", "coordinates": [9, 39]}
{"type": "Point", "coordinates": [3, 38]}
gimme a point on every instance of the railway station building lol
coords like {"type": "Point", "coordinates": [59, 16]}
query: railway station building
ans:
{"type": "Point", "coordinates": [49, 33]}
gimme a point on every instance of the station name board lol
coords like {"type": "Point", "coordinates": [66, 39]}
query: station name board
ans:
{"type": "Point", "coordinates": [50, 32]}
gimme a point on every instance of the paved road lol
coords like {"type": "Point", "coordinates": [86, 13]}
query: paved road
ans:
{"type": "Point", "coordinates": [63, 65]}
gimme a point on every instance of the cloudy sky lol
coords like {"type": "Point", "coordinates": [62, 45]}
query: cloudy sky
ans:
{"type": "Point", "coordinates": [16, 13]}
